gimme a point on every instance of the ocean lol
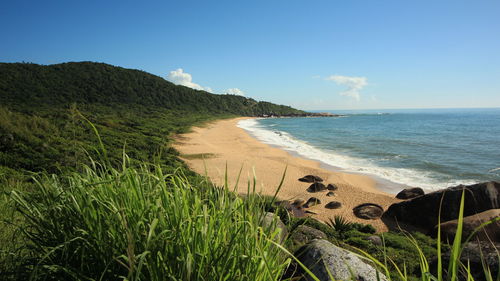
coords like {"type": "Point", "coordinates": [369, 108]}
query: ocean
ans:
{"type": "Point", "coordinates": [428, 148]}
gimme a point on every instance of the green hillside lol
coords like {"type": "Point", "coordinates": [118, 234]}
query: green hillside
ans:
{"type": "Point", "coordinates": [30, 86]}
{"type": "Point", "coordinates": [43, 111]}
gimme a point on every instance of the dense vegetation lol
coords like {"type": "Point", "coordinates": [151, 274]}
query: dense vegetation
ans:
{"type": "Point", "coordinates": [141, 224]}
{"type": "Point", "coordinates": [30, 86]}
{"type": "Point", "coordinates": [42, 109]}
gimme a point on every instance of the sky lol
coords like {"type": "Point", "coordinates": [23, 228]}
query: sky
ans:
{"type": "Point", "coordinates": [313, 55]}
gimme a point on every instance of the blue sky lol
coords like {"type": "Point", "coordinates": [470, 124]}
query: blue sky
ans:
{"type": "Point", "coordinates": [308, 54]}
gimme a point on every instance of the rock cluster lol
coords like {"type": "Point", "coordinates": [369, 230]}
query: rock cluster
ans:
{"type": "Point", "coordinates": [425, 211]}
{"type": "Point", "coordinates": [364, 211]}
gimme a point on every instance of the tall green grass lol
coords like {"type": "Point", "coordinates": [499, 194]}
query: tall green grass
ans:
{"type": "Point", "coordinates": [142, 224]}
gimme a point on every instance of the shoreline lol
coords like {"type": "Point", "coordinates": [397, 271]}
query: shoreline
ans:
{"type": "Point", "coordinates": [227, 144]}
{"type": "Point", "coordinates": [381, 184]}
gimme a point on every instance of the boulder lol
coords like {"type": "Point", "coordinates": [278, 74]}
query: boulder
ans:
{"type": "Point", "coordinates": [333, 205]}
{"type": "Point", "coordinates": [368, 211]}
{"type": "Point", "coordinates": [490, 232]}
{"type": "Point", "coordinates": [310, 178]}
{"type": "Point", "coordinates": [316, 187]}
{"type": "Point", "coordinates": [409, 193]}
{"type": "Point", "coordinates": [331, 187]}
{"type": "Point", "coordinates": [423, 211]}
{"type": "Point", "coordinates": [273, 221]}
{"type": "Point", "coordinates": [303, 234]}
{"type": "Point", "coordinates": [323, 258]}
{"type": "Point", "coordinates": [474, 253]}
{"type": "Point", "coordinates": [313, 201]}
{"type": "Point", "coordinates": [330, 194]}
{"type": "Point", "coordinates": [376, 240]}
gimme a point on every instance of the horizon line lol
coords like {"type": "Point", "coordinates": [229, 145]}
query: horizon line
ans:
{"type": "Point", "coordinates": [406, 108]}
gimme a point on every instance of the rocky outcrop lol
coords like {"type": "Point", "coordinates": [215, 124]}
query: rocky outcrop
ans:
{"type": "Point", "coordinates": [368, 211]}
{"type": "Point", "coordinates": [423, 211]}
{"type": "Point", "coordinates": [409, 193]}
{"type": "Point", "coordinates": [323, 258]}
{"type": "Point", "coordinates": [304, 234]}
{"type": "Point", "coordinates": [271, 220]}
{"type": "Point", "coordinates": [490, 232]}
{"type": "Point", "coordinates": [310, 179]}
{"type": "Point", "coordinates": [330, 194]}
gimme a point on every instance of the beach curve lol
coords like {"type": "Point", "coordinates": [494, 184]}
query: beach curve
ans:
{"type": "Point", "coordinates": [219, 144]}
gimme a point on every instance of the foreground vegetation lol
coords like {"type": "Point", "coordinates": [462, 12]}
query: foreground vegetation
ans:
{"type": "Point", "coordinates": [142, 224]}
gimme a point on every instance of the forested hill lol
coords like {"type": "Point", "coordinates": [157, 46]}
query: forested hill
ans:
{"type": "Point", "coordinates": [24, 84]}
{"type": "Point", "coordinates": [46, 114]}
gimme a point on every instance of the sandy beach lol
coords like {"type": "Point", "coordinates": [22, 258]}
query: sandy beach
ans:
{"type": "Point", "coordinates": [223, 143]}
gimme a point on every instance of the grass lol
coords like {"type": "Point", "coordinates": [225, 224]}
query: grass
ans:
{"type": "Point", "coordinates": [142, 224]}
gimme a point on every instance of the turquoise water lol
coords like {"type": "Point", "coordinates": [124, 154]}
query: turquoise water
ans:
{"type": "Point", "coordinates": [432, 149]}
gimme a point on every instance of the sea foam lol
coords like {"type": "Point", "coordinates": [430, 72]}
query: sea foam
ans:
{"type": "Point", "coordinates": [346, 163]}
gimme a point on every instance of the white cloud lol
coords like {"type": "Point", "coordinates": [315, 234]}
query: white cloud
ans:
{"type": "Point", "coordinates": [235, 91]}
{"type": "Point", "coordinates": [353, 84]}
{"type": "Point", "coordinates": [180, 77]}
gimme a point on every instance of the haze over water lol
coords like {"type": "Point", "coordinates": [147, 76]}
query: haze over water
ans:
{"type": "Point", "coordinates": [429, 148]}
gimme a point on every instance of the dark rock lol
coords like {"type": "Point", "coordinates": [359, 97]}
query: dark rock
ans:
{"type": "Point", "coordinates": [331, 187]}
{"type": "Point", "coordinates": [473, 253]}
{"type": "Point", "coordinates": [330, 194]}
{"type": "Point", "coordinates": [423, 211]}
{"type": "Point", "coordinates": [490, 232]}
{"type": "Point", "coordinates": [409, 193]}
{"type": "Point", "coordinates": [299, 202]}
{"type": "Point", "coordinates": [323, 258]}
{"type": "Point", "coordinates": [316, 187]}
{"type": "Point", "coordinates": [311, 178]}
{"type": "Point", "coordinates": [376, 240]}
{"type": "Point", "coordinates": [273, 221]}
{"type": "Point", "coordinates": [313, 201]}
{"type": "Point", "coordinates": [368, 211]}
{"type": "Point", "coordinates": [333, 205]}
{"type": "Point", "coordinates": [294, 210]}
{"type": "Point", "coordinates": [303, 234]}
